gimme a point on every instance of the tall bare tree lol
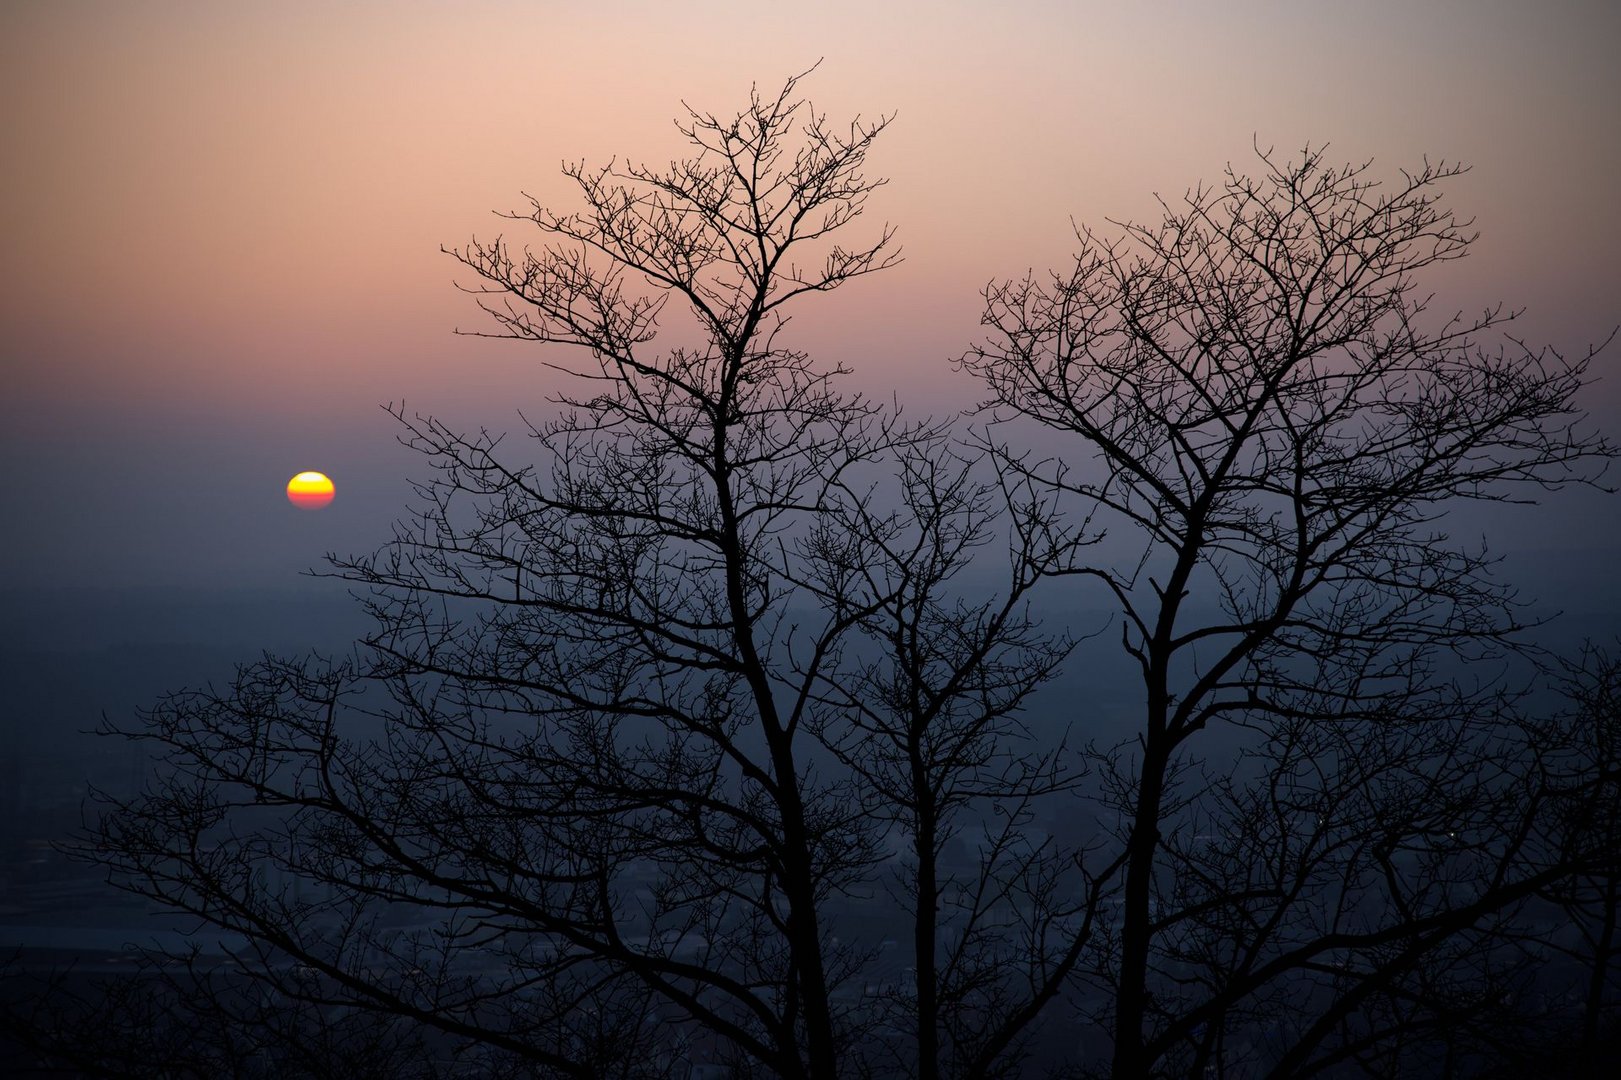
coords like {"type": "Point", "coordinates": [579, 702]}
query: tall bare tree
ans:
{"type": "Point", "coordinates": [640, 713]}
{"type": "Point", "coordinates": [1256, 393]}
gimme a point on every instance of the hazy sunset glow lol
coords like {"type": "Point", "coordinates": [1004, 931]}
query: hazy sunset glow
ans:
{"type": "Point", "coordinates": [206, 199]}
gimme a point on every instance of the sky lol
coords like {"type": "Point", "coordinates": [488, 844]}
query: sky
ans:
{"type": "Point", "coordinates": [222, 221]}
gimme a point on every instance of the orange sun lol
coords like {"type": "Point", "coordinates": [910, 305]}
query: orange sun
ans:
{"type": "Point", "coordinates": [309, 490]}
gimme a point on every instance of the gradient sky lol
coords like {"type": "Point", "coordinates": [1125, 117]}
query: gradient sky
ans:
{"type": "Point", "coordinates": [222, 221]}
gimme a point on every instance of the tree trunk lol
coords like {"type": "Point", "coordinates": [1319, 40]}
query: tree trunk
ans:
{"type": "Point", "coordinates": [1599, 974]}
{"type": "Point", "coordinates": [1131, 998]}
{"type": "Point", "coordinates": [924, 930]}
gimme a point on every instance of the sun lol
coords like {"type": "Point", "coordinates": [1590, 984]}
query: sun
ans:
{"type": "Point", "coordinates": [310, 490]}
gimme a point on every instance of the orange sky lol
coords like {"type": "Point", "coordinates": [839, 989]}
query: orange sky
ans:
{"type": "Point", "coordinates": [222, 220]}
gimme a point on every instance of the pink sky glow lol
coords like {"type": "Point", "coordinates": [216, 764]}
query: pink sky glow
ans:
{"type": "Point", "coordinates": [222, 220]}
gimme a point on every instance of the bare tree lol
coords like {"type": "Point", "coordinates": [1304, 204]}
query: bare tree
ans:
{"type": "Point", "coordinates": [670, 732]}
{"type": "Point", "coordinates": [1257, 397]}
{"type": "Point", "coordinates": [927, 719]}
{"type": "Point", "coordinates": [638, 718]}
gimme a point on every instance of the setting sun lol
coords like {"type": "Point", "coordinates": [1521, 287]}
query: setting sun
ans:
{"type": "Point", "coordinates": [310, 490]}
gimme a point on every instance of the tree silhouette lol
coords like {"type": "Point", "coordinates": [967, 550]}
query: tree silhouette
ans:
{"type": "Point", "coordinates": [697, 735]}
{"type": "Point", "coordinates": [636, 718]}
{"type": "Point", "coordinates": [1254, 393]}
